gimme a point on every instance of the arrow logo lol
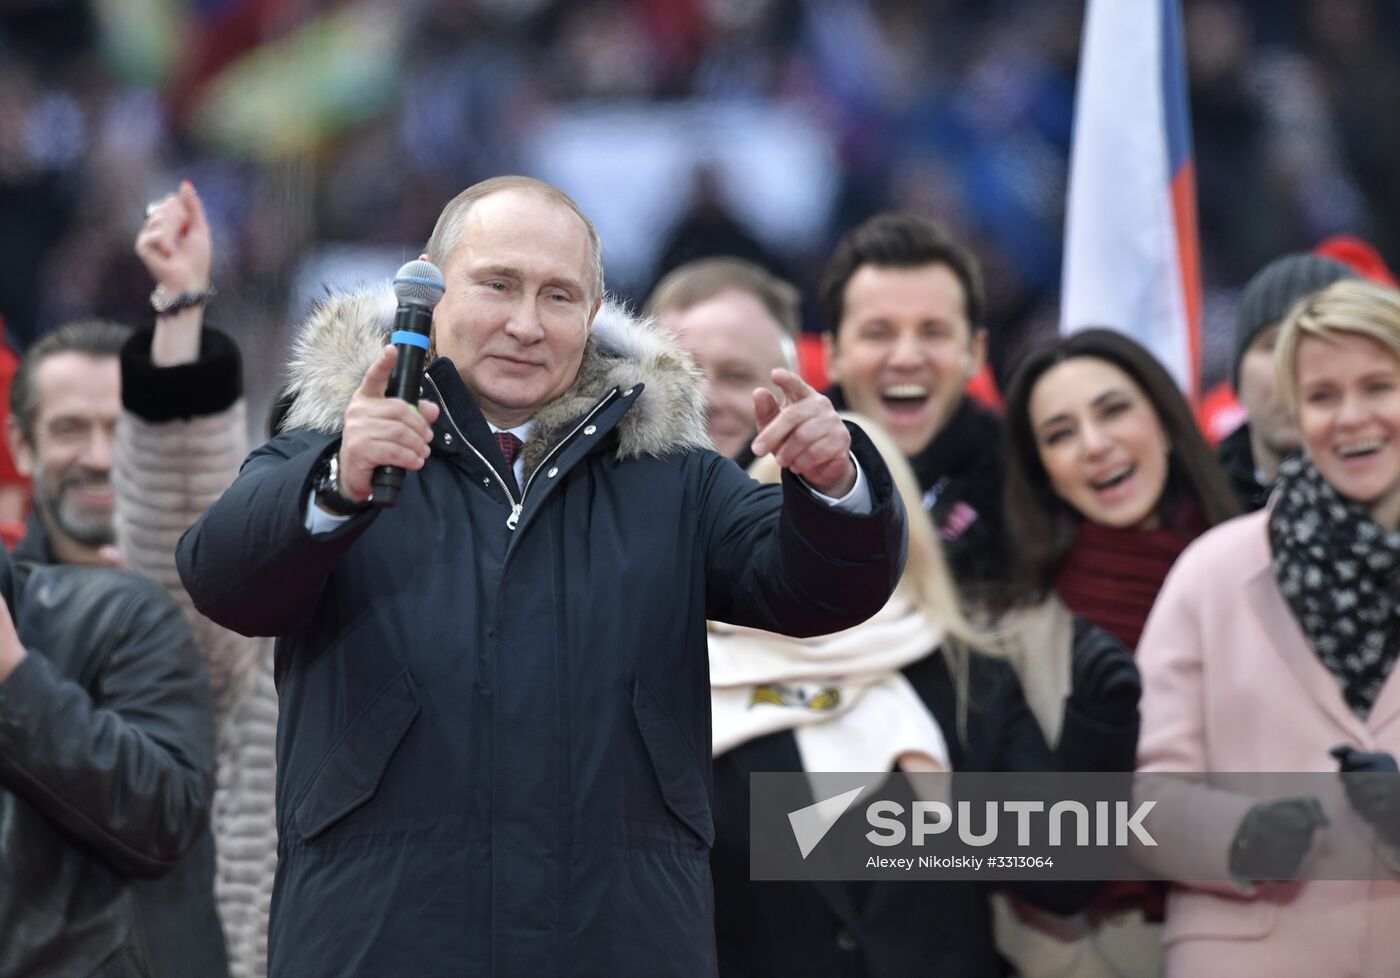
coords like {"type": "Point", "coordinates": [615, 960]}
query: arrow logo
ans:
{"type": "Point", "coordinates": [811, 824]}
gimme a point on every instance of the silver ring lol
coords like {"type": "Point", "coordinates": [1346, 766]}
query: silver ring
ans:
{"type": "Point", "coordinates": [151, 208]}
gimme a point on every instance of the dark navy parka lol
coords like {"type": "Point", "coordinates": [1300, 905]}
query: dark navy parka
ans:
{"type": "Point", "coordinates": [494, 750]}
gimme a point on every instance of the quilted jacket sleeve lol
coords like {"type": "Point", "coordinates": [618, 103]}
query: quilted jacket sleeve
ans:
{"type": "Point", "coordinates": [182, 436]}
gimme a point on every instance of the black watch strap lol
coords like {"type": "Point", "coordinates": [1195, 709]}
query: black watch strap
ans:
{"type": "Point", "coordinates": [328, 494]}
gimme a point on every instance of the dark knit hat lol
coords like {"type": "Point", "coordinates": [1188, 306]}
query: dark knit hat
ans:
{"type": "Point", "coordinates": [1273, 290]}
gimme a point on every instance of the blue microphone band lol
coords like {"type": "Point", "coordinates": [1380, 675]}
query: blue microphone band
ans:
{"type": "Point", "coordinates": [434, 283]}
{"type": "Point", "coordinates": [409, 337]}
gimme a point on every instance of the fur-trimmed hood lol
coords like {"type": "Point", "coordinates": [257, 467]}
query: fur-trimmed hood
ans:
{"type": "Point", "coordinates": [346, 331]}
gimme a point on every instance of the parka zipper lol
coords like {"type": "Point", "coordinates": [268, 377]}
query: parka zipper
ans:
{"type": "Point", "coordinates": [515, 516]}
{"type": "Point", "coordinates": [517, 505]}
{"type": "Point", "coordinates": [514, 505]}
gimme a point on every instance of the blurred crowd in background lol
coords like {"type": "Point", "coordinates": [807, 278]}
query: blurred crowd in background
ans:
{"type": "Point", "coordinates": [324, 138]}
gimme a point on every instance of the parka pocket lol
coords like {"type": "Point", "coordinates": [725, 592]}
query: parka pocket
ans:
{"type": "Point", "coordinates": [351, 772]}
{"type": "Point", "coordinates": [682, 785]}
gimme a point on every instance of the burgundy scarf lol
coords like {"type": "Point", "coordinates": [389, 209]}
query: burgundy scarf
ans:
{"type": "Point", "coordinates": [1112, 576]}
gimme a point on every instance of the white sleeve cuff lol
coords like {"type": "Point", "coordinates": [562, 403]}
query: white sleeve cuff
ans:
{"type": "Point", "coordinates": [318, 521]}
{"type": "Point", "coordinates": [856, 502]}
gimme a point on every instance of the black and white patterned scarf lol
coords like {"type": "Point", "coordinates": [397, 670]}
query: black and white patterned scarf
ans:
{"type": "Point", "coordinates": [1339, 571]}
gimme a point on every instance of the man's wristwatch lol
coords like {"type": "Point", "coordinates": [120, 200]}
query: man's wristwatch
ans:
{"type": "Point", "coordinates": [328, 494]}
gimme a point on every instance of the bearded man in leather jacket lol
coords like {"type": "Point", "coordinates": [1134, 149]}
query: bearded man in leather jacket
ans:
{"type": "Point", "coordinates": [106, 731]}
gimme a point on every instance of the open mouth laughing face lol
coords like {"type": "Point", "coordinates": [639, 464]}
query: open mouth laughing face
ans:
{"type": "Point", "coordinates": [1349, 416]}
{"type": "Point", "coordinates": [904, 349]}
{"type": "Point", "coordinates": [1101, 442]}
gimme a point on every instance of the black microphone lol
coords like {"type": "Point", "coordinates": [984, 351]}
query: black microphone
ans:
{"type": "Point", "coordinates": [418, 286]}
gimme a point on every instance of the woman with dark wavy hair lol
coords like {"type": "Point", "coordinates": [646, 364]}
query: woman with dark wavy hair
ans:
{"type": "Point", "coordinates": [1101, 445]}
{"type": "Point", "coordinates": [1107, 481]}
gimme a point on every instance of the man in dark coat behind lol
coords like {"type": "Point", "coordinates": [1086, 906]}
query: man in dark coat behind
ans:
{"type": "Point", "coordinates": [494, 748]}
{"type": "Point", "coordinates": [1251, 454]}
{"type": "Point", "coordinates": [739, 323]}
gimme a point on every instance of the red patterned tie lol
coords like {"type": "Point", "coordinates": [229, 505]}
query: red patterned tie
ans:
{"type": "Point", "coordinates": [509, 445]}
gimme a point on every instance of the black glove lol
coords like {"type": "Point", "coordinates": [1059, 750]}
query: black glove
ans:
{"type": "Point", "coordinates": [1104, 680]}
{"type": "Point", "coordinates": [1273, 838]}
{"type": "Point", "coordinates": [1373, 790]}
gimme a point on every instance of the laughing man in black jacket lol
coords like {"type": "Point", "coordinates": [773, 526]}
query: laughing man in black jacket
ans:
{"type": "Point", "coordinates": [903, 307]}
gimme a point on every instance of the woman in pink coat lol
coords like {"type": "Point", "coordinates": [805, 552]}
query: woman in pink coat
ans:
{"type": "Point", "coordinates": [1271, 646]}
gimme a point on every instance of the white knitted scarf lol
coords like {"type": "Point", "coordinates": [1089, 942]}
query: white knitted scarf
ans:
{"type": "Point", "coordinates": [842, 695]}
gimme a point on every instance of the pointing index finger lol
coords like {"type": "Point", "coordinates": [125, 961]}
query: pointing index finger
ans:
{"type": "Point", "coordinates": [791, 385]}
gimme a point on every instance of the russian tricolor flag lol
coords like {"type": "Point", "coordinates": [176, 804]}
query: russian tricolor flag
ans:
{"type": "Point", "coordinates": [1132, 258]}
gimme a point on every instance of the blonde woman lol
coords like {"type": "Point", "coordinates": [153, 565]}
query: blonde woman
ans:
{"type": "Point", "coordinates": [1272, 648]}
{"type": "Point", "coordinates": [903, 690]}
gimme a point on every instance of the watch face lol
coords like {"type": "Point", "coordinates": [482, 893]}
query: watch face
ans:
{"type": "Point", "coordinates": [328, 490]}
{"type": "Point", "coordinates": [325, 482]}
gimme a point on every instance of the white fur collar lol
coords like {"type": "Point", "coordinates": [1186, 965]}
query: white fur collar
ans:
{"type": "Point", "coordinates": [344, 333]}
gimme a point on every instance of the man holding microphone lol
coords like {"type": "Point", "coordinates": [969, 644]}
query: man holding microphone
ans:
{"type": "Point", "coordinates": [493, 757]}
